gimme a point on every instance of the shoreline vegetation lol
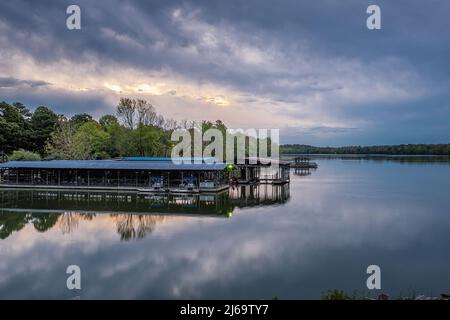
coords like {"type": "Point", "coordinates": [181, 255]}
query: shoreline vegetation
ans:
{"type": "Point", "coordinates": [355, 295]}
{"type": "Point", "coordinates": [401, 149]}
{"type": "Point", "coordinates": [136, 129]}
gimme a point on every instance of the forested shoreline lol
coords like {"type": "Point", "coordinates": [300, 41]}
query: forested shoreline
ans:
{"type": "Point", "coordinates": [136, 129]}
{"type": "Point", "coordinates": [402, 149]}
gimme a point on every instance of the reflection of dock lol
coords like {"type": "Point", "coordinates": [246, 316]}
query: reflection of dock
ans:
{"type": "Point", "coordinates": [137, 203]}
{"type": "Point", "coordinates": [259, 195]}
{"type": "Point", "coordinates": [134, 214]}
{"type": "Point", "coordinates": [303, 166]}
{"type": "Point", "coordinates": [303, 171]}
{"type": "Point", "coordinates": [304, 163]}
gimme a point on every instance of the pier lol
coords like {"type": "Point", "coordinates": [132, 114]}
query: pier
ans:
{"type": "Point", "coordinates": [262, 170]}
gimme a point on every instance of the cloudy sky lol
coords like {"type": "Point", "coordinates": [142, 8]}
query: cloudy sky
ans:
{"type": "Point", "coordinates": [309, 68]}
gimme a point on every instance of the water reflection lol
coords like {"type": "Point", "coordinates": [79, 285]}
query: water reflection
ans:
{"type": "Point", "coordinates": [134, 215]}
{"type": "Point", "coordinates": [10, 222]}
{"type": "Point", "coordinates": [320, 233]}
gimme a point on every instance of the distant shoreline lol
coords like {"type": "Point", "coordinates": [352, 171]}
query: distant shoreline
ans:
{"type": "Point", "coordinates": [377, 150]}
{"type": "Point", "coordinates": [366, 155]}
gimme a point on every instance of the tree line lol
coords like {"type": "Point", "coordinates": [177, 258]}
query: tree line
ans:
{"type": "Point", "coordinates": [135, 130]}
{"type": "Point", "coordinates": [402, 149]}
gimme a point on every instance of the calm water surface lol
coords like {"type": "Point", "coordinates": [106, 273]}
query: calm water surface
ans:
{"type": "Point", "coordinates": [319, 233]}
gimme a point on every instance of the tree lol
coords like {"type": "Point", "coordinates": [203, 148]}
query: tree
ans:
{"type": "Point", "coordinates": [90, 141]}
{"type": "Point", "coordinates": [126, 111]}
{"type": "Point", "coordinates": [146, 113]}
{"type": "Point", "coordinates": [107, 120]}
{"type": "Point", "coordinates": [23, 110]}
{"type": "Point", "coordinates": [8, 135]}
{"type": "Point", "coordinates": [23, 155]}
{"type": "Point", "coordinates": [43, 123]}
{"type": "Point", "coordinates": [148, 141]}
{"type": "Point", "coordinates": [61, 142]}
{"type": "Point", "coordinates": [79, 119]}
{"type": "Point", "coordinates": [15, 131]}
{"type": "Point", "coordinates": [170, 124]}
{"type": "Point", "coordinates": [120, 142]}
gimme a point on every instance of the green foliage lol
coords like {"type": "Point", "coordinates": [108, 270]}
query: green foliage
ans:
{"type": "Point", "coordinates": [61, 143]}
{"type": "Point", "coordinates": [147, 141]}
{"type": "Point", "coordinates": [15, 129]}
{"type": "Point", "coordinates": [43, 123]}
{"type": "Point", "coordinates": [79, 119]}
{"type": "Point", "coordinates": [119, 143]}
{"type": "Point", "coordinates": [107, 121]}
{"type": "Point", "coordinates": [23, 155]}
{"type": "Point", "coordinates": [90, 141]}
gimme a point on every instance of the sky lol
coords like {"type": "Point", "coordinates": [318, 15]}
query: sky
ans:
{"type": "Point", "coordinates": [309, 68]}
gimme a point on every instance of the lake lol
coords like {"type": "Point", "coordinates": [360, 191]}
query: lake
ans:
{"type": "Point", "coordinates": [292, 242]}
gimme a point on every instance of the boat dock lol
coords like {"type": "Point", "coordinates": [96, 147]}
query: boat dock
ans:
{"type": "Point", "coordinates": [143, 175]}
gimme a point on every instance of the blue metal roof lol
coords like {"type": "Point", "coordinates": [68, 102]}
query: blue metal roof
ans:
{"type": "Point", "coordinates": [113, 165]}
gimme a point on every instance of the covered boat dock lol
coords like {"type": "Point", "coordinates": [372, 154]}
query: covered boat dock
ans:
{"type": "Point", "coordinates": [134, 174]}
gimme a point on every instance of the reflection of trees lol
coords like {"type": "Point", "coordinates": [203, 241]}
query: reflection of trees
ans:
{"type": "Point", "coordinates": [135, 226]}
{"type": "Point", "coordinates": [128, 226]}
{"type": "Point", "coordinates": [44, 221]}
{"type": "Point", "coordinates": [69, 221]}
{"type": "Point", "coordinates": [10, 222]}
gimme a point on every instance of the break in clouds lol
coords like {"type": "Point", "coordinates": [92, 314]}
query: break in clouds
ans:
{"type": "Point", "coordinates": [310, 68]}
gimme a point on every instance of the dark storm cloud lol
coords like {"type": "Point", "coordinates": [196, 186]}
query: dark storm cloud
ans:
{"type": "Point", "coordinates": [283, 51]}
{"type": "Point", "coordinates": [8, 82]}
{"type": "Point", "coordinates": [62, 102]}
{"type": "Point", "coordinates": [411, 30]}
